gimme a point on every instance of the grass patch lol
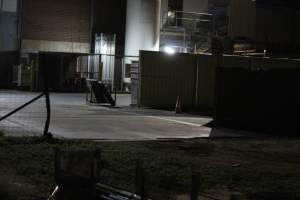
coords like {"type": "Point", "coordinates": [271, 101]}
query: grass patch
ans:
{"type": "Point", "coordinates": [257, 168]}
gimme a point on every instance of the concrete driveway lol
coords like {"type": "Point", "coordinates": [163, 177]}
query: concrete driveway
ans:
{"type": "Point", "coordinates": [71, 117]}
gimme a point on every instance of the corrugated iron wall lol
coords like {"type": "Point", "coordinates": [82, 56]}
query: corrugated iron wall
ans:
{"type": "Point", "coordinates": [164, 77]}
{"type": "Point", "coordinates": [248, 89]}
{"type": "Point", "coordinates": [264, 92]}
{"type": "Point", "coordinates": [56, 20]}
{"type": "Point", "coordinates": [205, 81]}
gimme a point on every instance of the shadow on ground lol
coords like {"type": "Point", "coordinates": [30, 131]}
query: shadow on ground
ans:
{"type": "Point", "coordinates": [260, 128]}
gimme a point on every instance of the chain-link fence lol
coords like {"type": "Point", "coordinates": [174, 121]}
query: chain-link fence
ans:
{"type": "Point", "coordinates": [22, 111]}
{"type": "Point", "coordinates": [25, 104]}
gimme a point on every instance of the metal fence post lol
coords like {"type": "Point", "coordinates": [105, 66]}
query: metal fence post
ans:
{"type": "Point", "coordinates": [47, 97]}
{"type": "Point", "coordinates": [115, 97]}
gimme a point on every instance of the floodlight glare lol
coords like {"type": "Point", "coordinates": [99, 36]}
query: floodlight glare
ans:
{"type": "Point", "coordinates": [169, 50]}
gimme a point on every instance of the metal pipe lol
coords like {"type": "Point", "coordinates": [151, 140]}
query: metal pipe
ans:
{"type": "Point", "coordinates": [194, 13]}
{"type": "Point", "coordinates": [53, 193]}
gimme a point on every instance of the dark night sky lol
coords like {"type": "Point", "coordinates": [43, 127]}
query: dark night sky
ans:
{"type": "Point", "coordinates": [288, 3]}
{"type": "Point", "coordinates": [110, 17]}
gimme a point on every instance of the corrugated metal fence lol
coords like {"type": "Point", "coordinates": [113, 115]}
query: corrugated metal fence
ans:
{"type": "Point", "coordinates": [240, 88]}
{"type": "Point", "coordinates": [259, 91]}
{"type": "Point", "coordinates": [165, 77]}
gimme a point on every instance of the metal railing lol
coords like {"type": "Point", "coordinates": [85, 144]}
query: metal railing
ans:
{"type": "Point", "coordinates": [190, 30]}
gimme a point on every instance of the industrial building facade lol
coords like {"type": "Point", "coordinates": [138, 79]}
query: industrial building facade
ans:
{"type": "Point", "coordinates": [60, 35]}
{"type": "Point", "coordinates": [80, 39]}
{"type": "Point", "coordinates": [56, 26]}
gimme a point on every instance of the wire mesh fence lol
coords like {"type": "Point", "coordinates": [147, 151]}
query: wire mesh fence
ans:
{"type": "Point", "coordinates": [28, 121]}
{"type": "Point", "coordinates": [28, 113]}
{"type": "Point", "coordinates": [25, 113]}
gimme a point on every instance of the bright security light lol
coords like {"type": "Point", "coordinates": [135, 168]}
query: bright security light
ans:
{"type": "Point", "coordinates": [169, 50]}
{"type": "Point", "coordinates": [170, 14]}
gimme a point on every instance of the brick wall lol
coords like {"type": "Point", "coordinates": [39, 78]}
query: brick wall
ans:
{"type": "Point", "coordinates": [56, 20]}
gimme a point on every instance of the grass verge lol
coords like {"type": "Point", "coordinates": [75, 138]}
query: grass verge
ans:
{"type": "Point", "coordinates": [256, 168]}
